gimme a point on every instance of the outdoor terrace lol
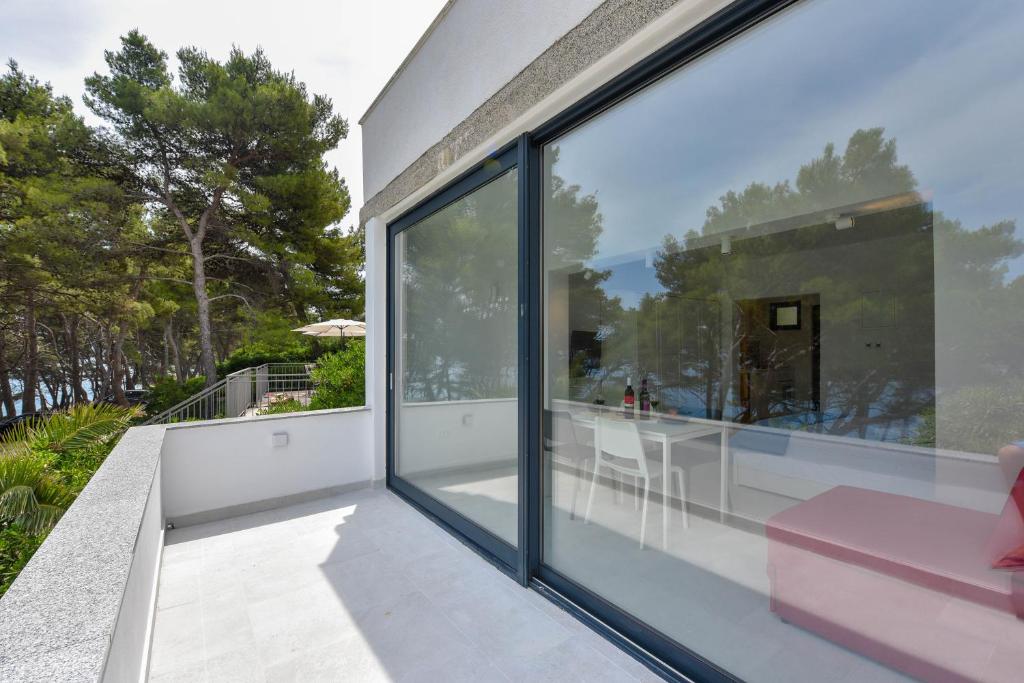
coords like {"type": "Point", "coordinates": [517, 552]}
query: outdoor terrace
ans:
{"type": "Point", "coordinates": [288, 562]}
{"type": "Point", "coordinates": [358, 587]}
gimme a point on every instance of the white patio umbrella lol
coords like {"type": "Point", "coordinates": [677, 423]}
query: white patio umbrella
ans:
{"type": "Point", "coordinates": [338, 327]}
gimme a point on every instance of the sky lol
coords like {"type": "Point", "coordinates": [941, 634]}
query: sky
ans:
{"type": "Point", "coordinates": [344, 49]}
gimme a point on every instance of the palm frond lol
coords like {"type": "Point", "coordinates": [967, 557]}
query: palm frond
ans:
{"type": "Point", "coordinates": [17, 501]}
{"type": "Point", "coordinates": [82, 426]}
{"type": "Point", "coordinates": [19, 433]}
{"type": "Point", "coordinates": [44, 519]}
{"type": "Point", "coordinates": [29, 495]}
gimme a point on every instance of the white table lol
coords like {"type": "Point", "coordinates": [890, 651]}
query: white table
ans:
{"type": "Point", "coordinates": [667, 434]}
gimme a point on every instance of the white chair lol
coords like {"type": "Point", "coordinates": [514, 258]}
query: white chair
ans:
{"type": "Point", "coordinates": [566, 446]}
{"type": "Point", "coordinates": [619, 448]}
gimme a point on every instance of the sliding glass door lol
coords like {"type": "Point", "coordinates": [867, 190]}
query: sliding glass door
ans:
{"type": "Point", "coordinates": [455, 360]}
{"type": "Point", "coordinates": [783, 295]}
{"type": "Point", "coordinates": [765, 340]}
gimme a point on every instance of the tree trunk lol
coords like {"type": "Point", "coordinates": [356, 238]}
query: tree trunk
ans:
{"type": "Point", "coordinates": [96, 370]}
{"type": "Point", "coordinates": [28, 395]}
{"type": "Point", "coordinates": [42, 397]}
{"type": "Point", "coordinates": [165, 358]}
{"type": "Point", "coordinates": [180, 370]}
{"type": "Point", "coordinates": [207, 360]}
{"type": "Point", "coordinates": [140, 376]}
{"type": "Point", "coordinates": [78, 392]}
{"type": "Point", "coordinates": [6, 397]}
{"type": "Point", "coordinates": [50, 396]}
{"type": "Point", "coordinates": [117, 369]}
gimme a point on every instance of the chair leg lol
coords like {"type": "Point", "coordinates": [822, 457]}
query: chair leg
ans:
{"type": "Point", "coordinates": [575, 490]}
{"type": "Point", "coordinates": [681, 474]}
{"type": "Point", "coordinates": [617, 483]}
{"type": "Point", "coordinates": [636, 494]}
{"type": "Point", "coordinates": [643, 516]}
{"type": "Point", "coordinates": [593, 486]}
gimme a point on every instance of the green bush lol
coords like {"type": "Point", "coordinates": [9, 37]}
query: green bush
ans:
{"type": "Point", "coordinates": [16, 549]}
{"type": "Point", "coordinates": [289, 405]}
{"type": "Point", "coordinates": [167, 392]}
{"type": "Point", "coordinates": [45, 465]}
{"type": "Point", "coordinates": [259, 353]}
{"type": "Point", "coordinates": [31, 496]}
{"type": "Point", "coordinates": [339, 378]}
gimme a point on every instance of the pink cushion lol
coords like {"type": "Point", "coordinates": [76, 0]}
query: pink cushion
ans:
{"type": "Point", "coordinates": [941, 547]}
{"type": "Point", "coordinates": [1008, 533]}
{"type": "Point", "coordinates": [1013, 560]}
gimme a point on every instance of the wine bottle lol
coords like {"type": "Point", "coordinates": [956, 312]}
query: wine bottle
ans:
{"type": "Point", "coordinates": [628, 400]}
{"type": "Point", "coordinates": [645, 400]}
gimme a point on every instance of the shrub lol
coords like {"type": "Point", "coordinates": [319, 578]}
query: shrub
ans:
{"type": "Point", "coordinates": [30, 496]}
{"type": "Point", "coordinates": [167, 392]}
{"type": "Point", "coordinates": [339, 378]}
{"type": "Point", "coordinates": [16, 548]}
{"type": "Point", "coordinates": [259, 353]}
{"type": "Point", "coordinates": [45, 464]}
{"type": "Point", "coordinates": [289, 405]}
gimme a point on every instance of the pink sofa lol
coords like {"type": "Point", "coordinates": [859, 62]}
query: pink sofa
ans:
{"type": "Point", "coordinates": [905, 581]}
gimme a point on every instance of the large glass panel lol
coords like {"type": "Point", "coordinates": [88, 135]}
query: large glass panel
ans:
{"type": "Point", "coordinates": [456, 362]}
{"type": "Point", "coordinates": [801, 254]}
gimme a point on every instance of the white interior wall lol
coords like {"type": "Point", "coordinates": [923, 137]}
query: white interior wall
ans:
{"type": "Point", "coordinates": [457, 434]}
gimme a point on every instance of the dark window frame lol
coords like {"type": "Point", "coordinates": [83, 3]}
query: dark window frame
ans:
{"type": "Point", "coordinates": [494, 549]}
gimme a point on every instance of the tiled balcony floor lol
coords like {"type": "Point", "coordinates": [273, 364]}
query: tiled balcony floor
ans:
{"type": "Point", "coordinates": [358, 587]}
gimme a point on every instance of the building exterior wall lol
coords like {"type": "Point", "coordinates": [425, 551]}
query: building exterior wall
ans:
{"type": "Point", "coordinates": [470, 52]}
{"type": "Point", "coordinates": [610, 39]}
{"type": "Point", "coordinates": [242, 467]}
{"type": "Point", "coordinates": [606, 42]}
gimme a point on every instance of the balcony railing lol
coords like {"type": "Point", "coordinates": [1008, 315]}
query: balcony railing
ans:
{"type": "Point", "coordinates": [244, 393]}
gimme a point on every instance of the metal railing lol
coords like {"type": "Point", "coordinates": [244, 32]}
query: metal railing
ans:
{"type": "Point", "coordinates": [271, 387]}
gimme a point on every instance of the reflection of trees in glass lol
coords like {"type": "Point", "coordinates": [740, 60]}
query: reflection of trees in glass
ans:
{"type": "Point", "coordinates": [782, 240]}
{"type": "Point", "coordinates": [459, 286]}
{"type": "Point", "coordinates": [585, 307]}
{"type": "Point", "coordinates": [921, 319]}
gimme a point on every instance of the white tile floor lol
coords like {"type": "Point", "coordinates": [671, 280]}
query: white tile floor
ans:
{"type": "Point", "coordinates": [358, 587]}
{"type": "Point", "coordinates": [709, 589]}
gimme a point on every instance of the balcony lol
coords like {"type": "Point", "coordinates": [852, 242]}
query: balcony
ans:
{"type": "Point", "coordinates": [289, 561]}
{"type": "Point", "coordinates": [358, 587]}
{"type": "Point", "coordinates": [266, 549]}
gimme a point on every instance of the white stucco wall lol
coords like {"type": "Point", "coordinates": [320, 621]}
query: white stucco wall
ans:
{"type": "Point", "coordinates": [222, 464]}
{"type": "Point", "coordinates": [376, 341]}
{"type": "Point", "coordinates": [477, 47]}
{"type": "Point", "coordinates": [130, 643]}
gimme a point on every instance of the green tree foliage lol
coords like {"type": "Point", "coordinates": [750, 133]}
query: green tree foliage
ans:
{"type": "Point", "coordinates": [42, 180]}
{"type": "Point", "coordinates": [232, 154]}
{"type": "Point", "coordinates": [44, 465]}
{"type": "Point", "coordinates": [71, 444]}
{"type": "Point", "coordinates": [959, 309]}
{"type": "Point", "coordinates": [98, 285]}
